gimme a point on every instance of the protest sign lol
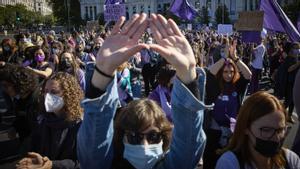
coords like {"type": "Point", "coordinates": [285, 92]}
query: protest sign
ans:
{"type": "Point", "coordinates": [112, 12]}
{"type": "Point", "coordinates": [225, 29]}
{"type": "Point", "coordinates": [250, 21]}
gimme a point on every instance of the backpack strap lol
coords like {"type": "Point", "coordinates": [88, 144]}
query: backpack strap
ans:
{"type": "Point", "coordinates": [238, 156]}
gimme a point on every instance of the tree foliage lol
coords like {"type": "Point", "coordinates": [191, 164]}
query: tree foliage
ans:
{"type": "Point", "coordinates": [222, 15]}
{"type": "Point", "coordinates": [27, 18]}
{"type": "Point", "coordinates": [204, 15]}
{"type": "Point", "coordinates": [60, 11]}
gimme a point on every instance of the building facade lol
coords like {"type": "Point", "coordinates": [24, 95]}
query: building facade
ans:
{"type": "Point", "coordinates": [90, 9]}
{"type": "Point", "coordinates": [33, 5]}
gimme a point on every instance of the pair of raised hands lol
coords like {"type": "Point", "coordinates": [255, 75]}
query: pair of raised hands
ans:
{"type": "Point", "coordinates": [34, 161]}
{"type": "Point", "coordinates": [122, 43]}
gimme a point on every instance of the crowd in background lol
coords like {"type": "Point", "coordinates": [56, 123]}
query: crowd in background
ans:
{"type": "Point", "coordinates": [44, 78]}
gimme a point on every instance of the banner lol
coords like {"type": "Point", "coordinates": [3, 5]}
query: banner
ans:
{"type": "Point", "coordinates": [250, 21]}
{"type": "Point", "coordinates": [276, 20]}
{"type": "Point", "coordinates": [225, 29]}
{"type": "Point", "coordinates": [251, 36]}
{"type": "Point", "coordinates": [183, 10]}
{"type": "Point", "coordinates": [112, 12]}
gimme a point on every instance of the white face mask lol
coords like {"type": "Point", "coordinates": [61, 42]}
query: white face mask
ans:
{"type": "Point", "coordinates": [53, 103]}
{"type": "Point", "coordinates": [143, 156]}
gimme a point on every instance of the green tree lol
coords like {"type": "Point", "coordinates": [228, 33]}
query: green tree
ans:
{"type": "Point", "coordinates": [222, 15]}
{"type": "Point", "coordinates": [60, 11]}
{"type": "Point", "coordinates": [204, 15]}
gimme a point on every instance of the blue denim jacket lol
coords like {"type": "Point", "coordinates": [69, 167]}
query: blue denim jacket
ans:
{"type": "Point", "coordinates": [95, 147]}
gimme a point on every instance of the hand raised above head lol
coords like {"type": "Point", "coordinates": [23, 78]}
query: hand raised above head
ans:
{"type": "Point", "coordinates": [122, 43]}
{"type": "Point", "coordinates": [174, 47]}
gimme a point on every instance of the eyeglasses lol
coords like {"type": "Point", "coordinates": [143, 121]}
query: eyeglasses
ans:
{"type": "Point", "coordinates": [269, 132]}
{"type": "Point", "coordinates": [135, 138]}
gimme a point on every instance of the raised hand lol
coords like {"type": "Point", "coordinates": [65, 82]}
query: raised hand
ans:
{"type": "Point", "coordinates": [119, 46]}
{"type": "Point", "coordinates": [174, 47]}
{"type": "Point", "coordinates": [122, 44]}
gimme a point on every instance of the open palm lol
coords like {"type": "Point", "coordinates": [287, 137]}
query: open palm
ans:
{"type": "Point", "coordinates": [173, 46]}
{"type": "Point", "coordinates": [120, 45]}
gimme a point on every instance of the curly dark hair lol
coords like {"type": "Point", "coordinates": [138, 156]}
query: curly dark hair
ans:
{"type": "Point", "coordinates": [72, 95]}
{"type": "Point", "coordinates": [24, 80]}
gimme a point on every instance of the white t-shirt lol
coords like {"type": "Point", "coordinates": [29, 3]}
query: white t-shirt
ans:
{"type": "Point", "coordinates": [229, 161]}
{"type": "Point", "coordinates": [259, 53]}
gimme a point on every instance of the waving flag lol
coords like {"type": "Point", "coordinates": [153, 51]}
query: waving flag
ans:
{"type": "Point", "coordinates": [298, 23]}
{"type": "Point", "coordinates": [114, 2]}
{"type": "Point", "coordinates": [183, 10]}
{"type": "Point", "coordinates": [276, 20]}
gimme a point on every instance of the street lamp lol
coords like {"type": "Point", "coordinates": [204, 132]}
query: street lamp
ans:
{"type": "Point", "coordinates": [223, 11]}
{"type": "Point", "coordinates": [67, 5]}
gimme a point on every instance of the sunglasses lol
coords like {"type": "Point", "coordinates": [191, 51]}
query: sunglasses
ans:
{"type": "Point", "coordinates": [135, 138]}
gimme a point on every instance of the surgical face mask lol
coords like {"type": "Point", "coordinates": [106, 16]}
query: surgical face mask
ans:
{"type": "Point", "coordinates": [53, 103]}
{"type": "Point", "coordinates": [55, 51]}
{"type": "Point", "coordinates": [66, 64]}
{"type": "Point", "coordinates": [143, 156]}
{"type": "Point", "coordinates": [268, 148]}
{"type": "Point", "coordinates": [39, 58]}
{"type": "Point", "coordinates": [223, 55]}
{"type": "Point", "coordinates": [6, 48]}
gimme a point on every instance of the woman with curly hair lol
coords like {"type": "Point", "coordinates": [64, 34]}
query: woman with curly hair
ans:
{"type": "Point", "coordinates": [21, 87]}
{"type": "Point", "coordinates": [54, 141]}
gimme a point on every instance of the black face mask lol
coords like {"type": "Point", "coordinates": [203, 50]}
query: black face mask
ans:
{"type": "Point", "coordinates": [66, 64]}
{"type": "Point", "coordinates": [268, 148]}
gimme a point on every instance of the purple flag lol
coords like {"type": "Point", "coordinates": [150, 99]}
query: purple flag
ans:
{"type": "Point", "coordinates": [113, 2]}
{"type": "Point", "coordinates": [298, 23]}
{"type": "Point", "coordinates": [276, 20]}
{"type": "Point", "coordinates": [183, 10]}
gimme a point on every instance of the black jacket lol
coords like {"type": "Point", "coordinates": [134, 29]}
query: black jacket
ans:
{"type": "Point", "coordinates": [55, 138]}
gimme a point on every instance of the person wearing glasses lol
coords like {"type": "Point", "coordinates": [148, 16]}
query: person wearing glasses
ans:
{"type": "Point", "coordinates": [140, 135]}
{"type": "Point", "coordinates": [258, 137]}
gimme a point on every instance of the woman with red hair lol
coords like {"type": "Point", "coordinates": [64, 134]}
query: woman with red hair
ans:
{"type": "Point", "coordinates": [227, 81]}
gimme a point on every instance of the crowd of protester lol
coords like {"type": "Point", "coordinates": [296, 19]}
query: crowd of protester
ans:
{"type": "Point", "coordinates": [144, 94]}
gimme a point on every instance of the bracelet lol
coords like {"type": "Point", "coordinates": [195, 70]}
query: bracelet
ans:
{"type": "Point", "coordinates": [102, 73]}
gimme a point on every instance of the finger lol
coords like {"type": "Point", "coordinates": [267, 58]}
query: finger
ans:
{"type": "Point", "coordinates": [156, 34]}
{"type": "Point", "coordinates": [137, 24]}
{"type": "Point", "coordinates": [135, 49]}
{"type": "Point", "coordinates": [24, 161]}
{"type": "Point", "coordinates": [140, 31]}
{"type": "Point", "coordinates": [36, 156]}
{"type": "Point", "coordinates": [165, 24]}
{"type": "Point", "coordinates": [175, 28]}
{"type": "Point", "coordinates": [165, 53]}
{"type": "Point", "coordinates": [129, 24]}
{"type": "Point", "coordinates": [118, 25]}
{"type": "Point", "coordinates": [159, 26]}
{"type": "Point", "coordinates": [47, 165]}
{"type": "Point", "coordinates": [172, 40]}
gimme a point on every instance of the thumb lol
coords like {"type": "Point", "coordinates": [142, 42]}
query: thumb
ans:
{"type": "Point", "coordinates": [38, 158]}
{"type": "Point", "coordinates": [132, 51]}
